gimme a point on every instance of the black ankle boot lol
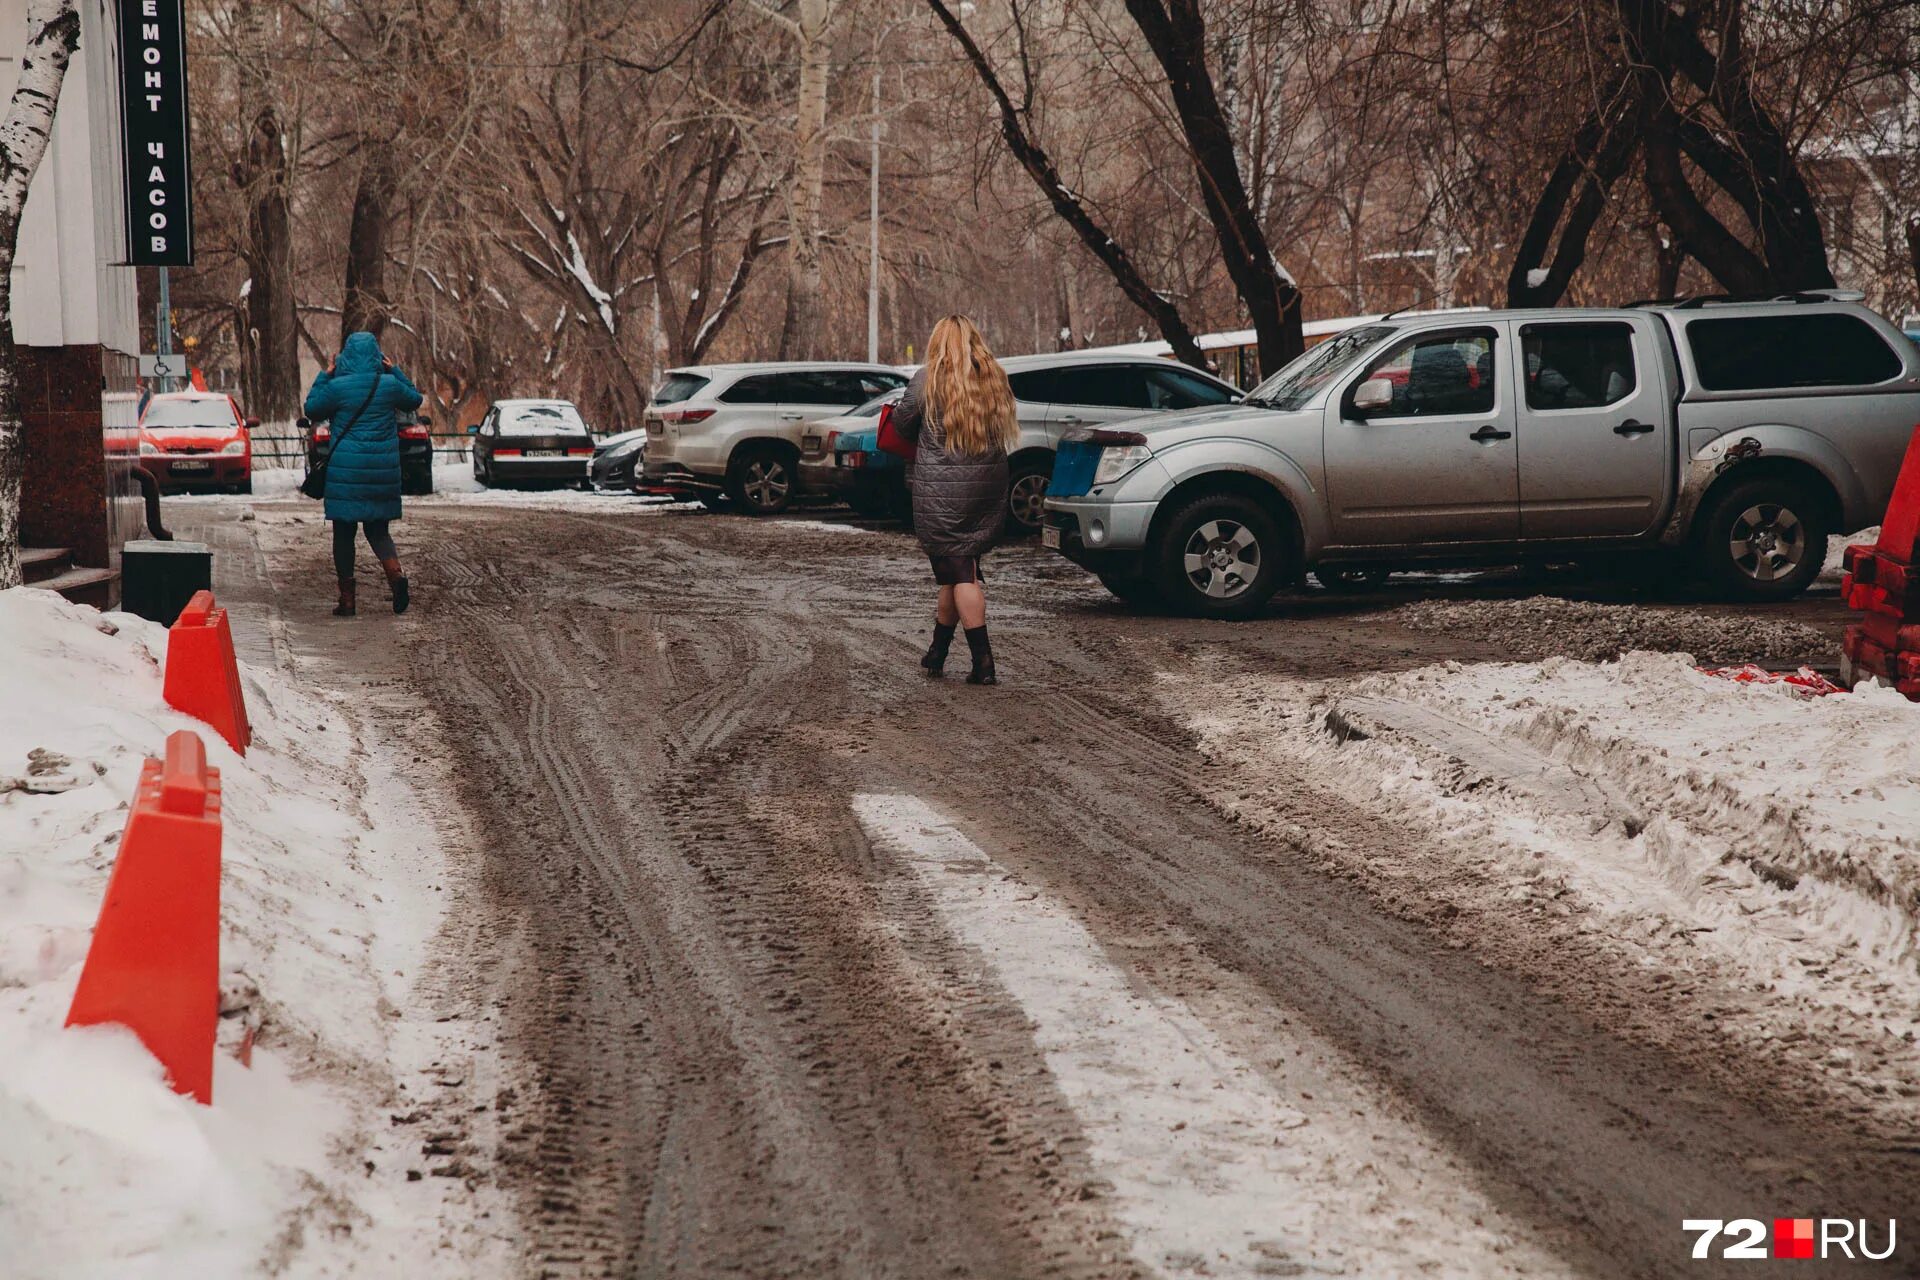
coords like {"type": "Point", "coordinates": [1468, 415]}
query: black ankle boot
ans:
{"type": "Point", "coordinates": [936, 660]}
{"type": "Point", "coordinates": [982, 672]}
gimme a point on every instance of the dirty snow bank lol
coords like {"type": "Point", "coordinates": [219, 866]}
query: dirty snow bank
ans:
{"type": "Point", "coordinates": [1703, 826]}
{"type": "Point", "coordinates": [326, 906]}
{"type": "Point", "coordinates": [1547, 625]}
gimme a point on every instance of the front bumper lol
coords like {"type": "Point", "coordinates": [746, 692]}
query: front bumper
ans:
{"type": "Point", "coordinates": [615, 472]}
{"type": "Point", "coordinates": [175, 471]}
{"type": "Point", "coordinates": [1100, 526]}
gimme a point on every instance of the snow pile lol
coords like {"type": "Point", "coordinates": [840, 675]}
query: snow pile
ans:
{"type": "Point", "coordinates": [1639, 804]}
{"type": "Point", "coordinates": [104, 1171]}
{"type": "Point", "coordinates": [1547, 625]}
{"type": "Point", "coordinates": [1833, 570]}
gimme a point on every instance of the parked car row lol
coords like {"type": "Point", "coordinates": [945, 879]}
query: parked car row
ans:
{"type": "Point", "coordinates": [757, 437]}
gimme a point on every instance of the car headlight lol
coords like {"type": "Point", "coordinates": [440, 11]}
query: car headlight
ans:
{"type": "Point", "coordinates": [234, 446]}
{"type": "Point", "coordinates": [1117, 460]}
{"type": "Point", "coordinates": [148, 448]}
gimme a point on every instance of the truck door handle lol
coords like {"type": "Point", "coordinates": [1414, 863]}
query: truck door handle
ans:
{"type": "Point", "coordinates": [1633, 428]}
{"type": "Point", "coordinates": [1489, 432]}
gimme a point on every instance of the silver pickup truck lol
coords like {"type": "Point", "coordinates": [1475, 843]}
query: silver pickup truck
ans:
{"type": "Point", "coordinates": [1739, 433]}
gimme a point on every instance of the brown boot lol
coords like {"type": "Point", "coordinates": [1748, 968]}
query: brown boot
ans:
{"type": "Point", "coordinates": [397, 583]}
{"type": "Point", "coordinates": [345, 608]}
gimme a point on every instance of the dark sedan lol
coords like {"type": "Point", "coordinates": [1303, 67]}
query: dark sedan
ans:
{"type": "Point", "coordinates": [416, 450]}
{"type": "Point", "coordinates": [616, 460]}
{"type": "Point", "coordinates": [540, 443]}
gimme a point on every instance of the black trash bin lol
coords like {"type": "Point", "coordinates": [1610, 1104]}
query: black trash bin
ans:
{"type": "Point", "coordinates": [158, 578]}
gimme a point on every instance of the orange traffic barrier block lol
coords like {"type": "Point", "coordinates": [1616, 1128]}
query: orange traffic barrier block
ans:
{"type": "Point", "coordinates": [203, 675]}
{"type": "Point", "coordinates": [154, 962]}
{"type": "Point", "coordinates": [1900, 528]}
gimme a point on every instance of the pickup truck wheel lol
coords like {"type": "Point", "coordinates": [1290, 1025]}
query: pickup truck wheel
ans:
{"type": "Point", "coordinates": [1220, 556]}
{"type": "Point", "coordinates": [761, 481]}
{"type": "Point", "coordinates": [1762, 540]}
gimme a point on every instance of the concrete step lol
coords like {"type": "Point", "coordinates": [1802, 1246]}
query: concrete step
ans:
{"type": "Point", "coordinates": [83, 586]}
{"type": "Point", "coordinates": [37, 564]}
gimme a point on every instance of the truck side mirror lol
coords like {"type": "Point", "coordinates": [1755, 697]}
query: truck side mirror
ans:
{"type": "Point", "coordinates": [1372, 395]}
{"type": "Point", "coordinates": [305, 424]}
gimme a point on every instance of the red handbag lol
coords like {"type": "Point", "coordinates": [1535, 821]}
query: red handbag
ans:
{"type": "Point", "coordinates": [891, 441]}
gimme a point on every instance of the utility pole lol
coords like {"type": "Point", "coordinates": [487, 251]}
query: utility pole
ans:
{"type": "Point", "coordinates": [873, 223]}
{"type": "Point", "coordinates": [163, 330]}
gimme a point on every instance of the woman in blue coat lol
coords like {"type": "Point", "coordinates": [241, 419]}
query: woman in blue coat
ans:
{"type": "Point", "coordinates": [361, 394]}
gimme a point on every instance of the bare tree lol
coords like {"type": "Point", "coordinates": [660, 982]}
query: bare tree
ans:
{"type": "Point", "coordinates": [53, 32]}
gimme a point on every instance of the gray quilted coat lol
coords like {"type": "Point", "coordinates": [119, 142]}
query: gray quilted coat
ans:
{"type": "Point", "coordinates": [959, 501]}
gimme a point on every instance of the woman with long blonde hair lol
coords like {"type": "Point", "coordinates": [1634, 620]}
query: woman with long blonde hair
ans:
{"type": "Point", "coordinates": [959, 411]}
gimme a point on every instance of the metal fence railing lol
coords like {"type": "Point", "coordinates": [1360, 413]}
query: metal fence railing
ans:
{"type": "Point", "coordinates": [273, 450]}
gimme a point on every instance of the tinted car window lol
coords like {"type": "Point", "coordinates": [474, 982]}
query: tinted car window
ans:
{"type": "Point", "coordinates": [678, 387]}
{"type": "Point", "coordinates": [1577, 366]}
{"type": "Point", "coordinates": [1746, 353]}
{"type": "Point", "coordinates": [759, 388]}
{"type": "Point", "coordinates": [1035, 386]}
{"type": "Point", "coordinates": [1439, 374]}
{"type": "Point", "coordinates": [1173, 388]}
{"type": "Point", "coordinates": [1111, 386]}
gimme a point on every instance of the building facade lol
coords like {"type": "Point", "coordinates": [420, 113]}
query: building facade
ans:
{"type": "Point", "coordinates": [76, 318]}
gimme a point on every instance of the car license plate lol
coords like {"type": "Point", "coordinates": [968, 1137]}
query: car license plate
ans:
{"type": "Point", "coordinates": [1050, 536]}
{"type": "Point", "coordinates": [192, 466]}
{"type": "Point", "coordinates": [546, 453]}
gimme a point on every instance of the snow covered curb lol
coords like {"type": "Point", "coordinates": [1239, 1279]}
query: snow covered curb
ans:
{"type": "Point", "coordinates": [1746, 830]}
{"type": "Point", "coordinates": [328, 902]}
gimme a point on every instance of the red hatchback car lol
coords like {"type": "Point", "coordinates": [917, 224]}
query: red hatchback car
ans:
{"type": "Point", "coordinates": [198, 440]}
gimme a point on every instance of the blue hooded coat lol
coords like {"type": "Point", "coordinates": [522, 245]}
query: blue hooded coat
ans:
{"type": "Point", "coordinates": [363, 469]}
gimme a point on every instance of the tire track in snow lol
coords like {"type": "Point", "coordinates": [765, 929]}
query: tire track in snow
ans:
{"type": "Point", "coordinates": [1213, 1172]}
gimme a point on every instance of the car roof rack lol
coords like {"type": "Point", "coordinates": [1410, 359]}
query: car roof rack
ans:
{"type": "Point", "coordinates": [1697, 301]}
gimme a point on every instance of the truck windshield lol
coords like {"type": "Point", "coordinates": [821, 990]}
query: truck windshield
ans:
{"type": "Point", "coordinates": [1296, 384]}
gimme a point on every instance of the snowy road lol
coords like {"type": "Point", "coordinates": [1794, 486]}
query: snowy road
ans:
{"type": "Point", "coordinates": [805, 966]}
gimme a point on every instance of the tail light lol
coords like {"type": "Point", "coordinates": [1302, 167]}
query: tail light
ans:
{"type": "Point", "coordinates": [506, 453]}
{"type": "Point", "coordinates": [684, 416]}
{"type": "Point", "coordinates": [414, 431]}
{"type": "Point", "coordinates": [579, 453]}
{"type": "Point", "coordinates": [322, 434]}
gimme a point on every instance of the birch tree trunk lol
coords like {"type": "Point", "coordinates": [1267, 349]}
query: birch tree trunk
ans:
{"type": "Point", "coordinates": [800, 331]}
{"type": "Point", "coordinates": [53, 32]}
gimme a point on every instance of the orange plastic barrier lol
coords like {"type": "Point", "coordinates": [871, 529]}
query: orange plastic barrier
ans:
{"type": "Point", "coordinates": [154, 962]}
{"type": "Point", "coordinates": [1882, 583]}
{"type": "Point", "coordinates": [203, 675]}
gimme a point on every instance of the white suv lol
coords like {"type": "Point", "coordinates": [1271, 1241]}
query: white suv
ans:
{"type": "Point", "coordinates": [731, 432]}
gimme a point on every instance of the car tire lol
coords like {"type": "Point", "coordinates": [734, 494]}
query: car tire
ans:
{"type": "Point", "coordinates": [1352, 578]}
{"type": "Point", "coordinates": [1760, 540]}
{"type": "Point", "coordinates": [1026, 492]}
{"type": "Point", "coordinates": [480, 473]}
{"type": "Point", "coordinates": [1134, 589]}
{"type": "Point", "coordinates": [1220, 555]}
{"type": "Point", "coordinates": [761, 480]}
